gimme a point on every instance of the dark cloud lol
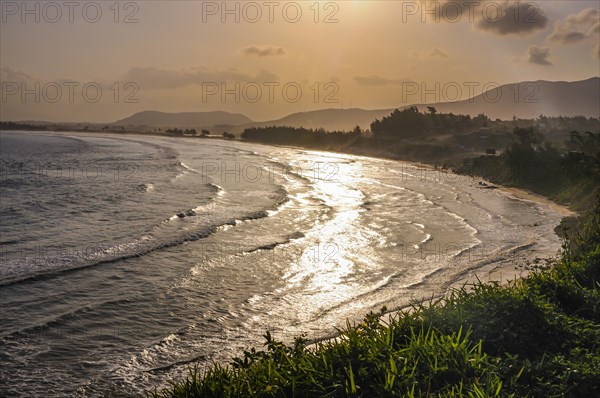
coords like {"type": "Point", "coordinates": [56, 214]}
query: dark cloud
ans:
{"type": "Point", "coordinates": [268, 51]}
{"type": "Point", "coordinates": [505, 18]}
{"type": "Point", "coordinates": [539, 55]}
{"type": "Point", "coordinates": [577, 27]}
{"type": "Point", "coordinates": [375, 80]}
{"type": "Point", "coordinates": [567, 37]}
{"type": "Point", "coordinates": [498, 17]}
{"type": "Point", "coordinates": [149, 77]}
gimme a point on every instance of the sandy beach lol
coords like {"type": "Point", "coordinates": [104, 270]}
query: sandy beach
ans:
{"type": "Point", "coordinates": [527, 261]}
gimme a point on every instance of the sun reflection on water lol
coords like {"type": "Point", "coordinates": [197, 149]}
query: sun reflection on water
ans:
{"type": "Point", "coordinates": [339, 249]}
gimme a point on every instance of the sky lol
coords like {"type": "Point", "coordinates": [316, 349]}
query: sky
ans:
{"type": "Point", "coordinates": [105, 60]}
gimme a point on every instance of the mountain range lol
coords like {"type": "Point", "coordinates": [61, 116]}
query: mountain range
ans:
{"type": "Point", "coordinates": [527, 100]}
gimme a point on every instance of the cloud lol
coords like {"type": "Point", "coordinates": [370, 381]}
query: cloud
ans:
{"type": "Point", "coordinates": [512, 18]}
{"type": "Point", "coordinates": [436, 52]}
{"type": "Point", "coordinates": [266, 51]}
{"type": "Point", "coordinates": [154, 78]}
{"type": "Point", "coordinates": [577, 27]}
{"type": "Point", "coordinates": [538, 55]}
{"type": "Point", "coordinates": [8, 74]}
{"type": "Point", "coordinates": [433, 53]}
{"type": "Point", "coordinates": [150, 77]}
{"type": "Point", "coordinates": [498, 17]}
{"type": "Point", "coordinates": [375, 80]}
{"type": "Point", "coordinates": [567, 37]}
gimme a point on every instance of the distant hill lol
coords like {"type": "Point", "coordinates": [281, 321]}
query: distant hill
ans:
{"type": "Point", "coordinates": [328, 119]}
{"type": "Point", "coordinates": [183, 119]}
{"type": "Point", "coordinates": [524, 100]}
{"type": "Point", "coordinates": [529, 100]}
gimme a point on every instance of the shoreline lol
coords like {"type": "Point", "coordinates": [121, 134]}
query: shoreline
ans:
{"type": "Point", "coordinates": [487, 272]}
{"type": "Point", "coordinates": [503, 274]}
{"type": "Point", "coordinates": [492, 271]}
{"type": "Point", "coordinates": [526, 195]}
{"type": "Point", "coordinates": [498, 265]}
{"type": "Point", "coordinates": [519, 193]}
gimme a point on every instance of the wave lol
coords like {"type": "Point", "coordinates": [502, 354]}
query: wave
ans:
{"type": "Point", "coordinates": [185, 170]}
{"type": "Point", "coordinates": [216, 188]}
{"type": "Point", "coordinates": [273, 245]}
{"type": "Point", "coordinates": [10, 242]}
{"type": "Point", "coordinates": [286, 171]}
{"type": "Point", "coordinates": [145, 187]}
{"type": "Point", "coordinates": [188, 168]}
{"type": "Point", "coordinates": [171, 365]}
{"type": "Point", "coordinates": [58, 319]}
{"type": "Point", "coordinates": [17, 271]}
{"type": "Point", "coordinates": [428, 238]}
{"type": "Point", "coordinates": [496, 258]}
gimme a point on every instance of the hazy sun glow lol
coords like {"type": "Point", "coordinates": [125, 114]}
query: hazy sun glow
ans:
{"type": "Point", "coordinates": [341, 54]}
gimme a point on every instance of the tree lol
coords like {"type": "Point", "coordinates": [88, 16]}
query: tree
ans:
{"type": "Point", "coordinates": [204, 133]}
{"type": "Point", "coordinates": [432, 111]}
{"type": "Point", "coordinates": [408, 123]}
{"type": "Point", "coordinates": [174, 131]}
{"type": "Point", "coordinates": [528, 136]}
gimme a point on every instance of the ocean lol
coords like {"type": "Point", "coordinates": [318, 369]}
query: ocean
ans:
{"type": "Point", "coordinates": [126, 259]}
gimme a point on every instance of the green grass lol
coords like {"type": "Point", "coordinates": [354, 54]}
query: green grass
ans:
{"type": "Point", "coordinates": [538, 337]}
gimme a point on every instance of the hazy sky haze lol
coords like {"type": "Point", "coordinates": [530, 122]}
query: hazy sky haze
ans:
{"type": "Point", "coordinates": [365, 57]}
